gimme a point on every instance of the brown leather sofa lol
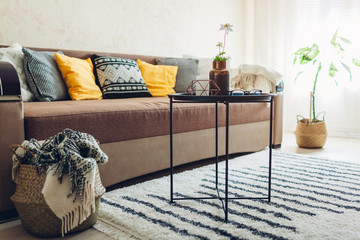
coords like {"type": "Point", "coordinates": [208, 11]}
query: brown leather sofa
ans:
{"type": "Point", "coordinates": [133, 132]}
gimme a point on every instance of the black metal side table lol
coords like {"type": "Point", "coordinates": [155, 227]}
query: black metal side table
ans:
{"type": "Point", "coordinates": [222, 99]}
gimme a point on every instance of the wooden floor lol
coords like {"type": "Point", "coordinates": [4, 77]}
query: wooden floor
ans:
{"type": "Point", "coordinates": [346, 149]}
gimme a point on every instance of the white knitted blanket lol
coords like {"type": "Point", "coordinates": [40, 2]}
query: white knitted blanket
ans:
{"type": "Point", "coordinates": [72, 213]}
{"type": "Point", "coordinates": [250, 76]}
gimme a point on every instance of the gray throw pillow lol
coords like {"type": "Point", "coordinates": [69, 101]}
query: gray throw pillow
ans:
{"type": "Point", "coordinates": [187, 69]}
{"type": "Point", "coordinates": [43, 76]}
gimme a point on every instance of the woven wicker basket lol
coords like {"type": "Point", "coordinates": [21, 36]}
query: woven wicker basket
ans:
{"type": "Point", "coordinates": [310, 135]}
{"type": "Point", "coordinates": [35, 215]}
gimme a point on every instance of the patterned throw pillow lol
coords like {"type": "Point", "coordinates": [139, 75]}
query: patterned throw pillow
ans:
{"type": "Point", "coordinates": [14, 55]}
{"type": "Point", "coordinates": [119, 77]}
{"type": "Point", "coordinates": [43, 76]}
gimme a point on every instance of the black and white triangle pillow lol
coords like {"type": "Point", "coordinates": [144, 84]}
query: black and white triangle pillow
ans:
{"type": "Point", "coordinates": [119, 77]}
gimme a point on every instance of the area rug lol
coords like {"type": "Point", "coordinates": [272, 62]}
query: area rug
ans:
{"type": "Point", "coordinates": [312, 198]}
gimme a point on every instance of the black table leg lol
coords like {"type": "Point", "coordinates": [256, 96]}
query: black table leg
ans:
{"type": "Point", "coordinates": [217, 156]}
{"type": "Point", "coordinates": [270, 148]}
{"type": "Point", "coordinates": [171, 151]}
{"type": "Point", "coordinates": [216, 143]}
{"type": "Point", "coordinates": [227, 161]}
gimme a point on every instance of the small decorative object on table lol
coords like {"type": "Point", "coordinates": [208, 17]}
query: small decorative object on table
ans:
{"type": "Point", "coordinates": [241, 92]}
{"type": "Point", "coordinates": [203, 88]}
{"type": "Point", "coordinates": [219, 74]}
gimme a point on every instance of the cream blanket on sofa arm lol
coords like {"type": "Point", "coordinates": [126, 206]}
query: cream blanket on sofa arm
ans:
{"type": "Point", "coordinates": [248, 77]}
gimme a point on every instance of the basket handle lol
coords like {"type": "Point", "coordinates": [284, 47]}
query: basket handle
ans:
{"type": "Point", "coordinates": [14, 147]}
{"type": "Point", "coordinates": [324, 113]}
{"type": "Point", "coordinates": [17, 160]}
{"type": "Point", "coordinates": [299, 118]}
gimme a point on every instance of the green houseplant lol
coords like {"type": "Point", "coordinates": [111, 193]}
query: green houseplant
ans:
{"type": "Point", "coordinates": [312, 132]}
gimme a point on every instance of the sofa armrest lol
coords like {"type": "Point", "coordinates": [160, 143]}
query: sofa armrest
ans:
{"type": "Point", "coordinates": [11, 128]}
{"type": "Point", "coordinates": [278, 115]}
{"type": "Point", "coordinates": [9, 82]}
{"type": "Point", "coordinates": [278, 120]}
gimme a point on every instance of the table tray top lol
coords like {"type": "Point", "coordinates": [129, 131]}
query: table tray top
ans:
{"type": "Point", "coordinates": [264, 97]}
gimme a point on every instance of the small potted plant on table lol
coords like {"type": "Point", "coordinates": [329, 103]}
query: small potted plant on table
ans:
{"type": "Point", "coordinates": [219, 74]}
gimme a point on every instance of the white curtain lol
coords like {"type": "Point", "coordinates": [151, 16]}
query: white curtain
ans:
{"type": "Point", "coordinates": [275, 29]}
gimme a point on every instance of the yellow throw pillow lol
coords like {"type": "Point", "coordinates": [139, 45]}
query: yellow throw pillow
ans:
{"type": "Point", "coordinates": [159, 79]}
{"type": "Point", "coordinates": [79, 77]}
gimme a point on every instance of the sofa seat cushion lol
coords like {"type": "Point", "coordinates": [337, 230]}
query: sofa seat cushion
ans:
{"type": "Point", "coordinates": [113, 120]}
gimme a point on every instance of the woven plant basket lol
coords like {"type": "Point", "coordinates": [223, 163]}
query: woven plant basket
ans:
{"type": "Point", "coordinates": [35, 215]}
{"type": "Point", "coordinates": [310, 135]}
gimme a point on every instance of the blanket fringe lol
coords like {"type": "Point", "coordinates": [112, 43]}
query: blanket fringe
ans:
{"type": "Point", "coordinates": [15, 169]}
{"type": "Point", "coordinates": [77, 216]}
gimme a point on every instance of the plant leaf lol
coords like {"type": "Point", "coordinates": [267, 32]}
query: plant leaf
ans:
{"type": "Point", "coordinates": [347, 69]}
{"type": "Point", "coordinates": [220, 58]}
{"type": "Point", "coordinates": [338, 48]}
{"type": "Point", "coordinates": [306, 54]}
{"type": "Point", "coordinates": [298, 76]}
{"type": "Point", "coordinates": [356, 62]}
{"type": "Point", "coordinates": [332, 70]}
{"type": "Point", "coordinates": [345, 40]}
{"type": "Point", "coordinates": [336, 83]}
{"type": "Point", "coordinates": [333, 40]}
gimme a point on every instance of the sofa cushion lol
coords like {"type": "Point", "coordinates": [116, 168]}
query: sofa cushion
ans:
{"type": "Point", "coordinates": [187, 70]}
{"type": "Point", "coordinates": [43, 76]}
{"type": "Point", "coordinates": [14, 55]}
{"type": "Point", "coordinates": [113, 120]}
{"type": "Point", "coordinates": [160, 79]}
{"type": "Point", "coordinates": [79, 77]}
{"type": "Point", "coordinates": [119, 77]}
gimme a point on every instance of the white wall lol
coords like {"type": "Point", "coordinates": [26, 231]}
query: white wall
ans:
{"type": "Point", "coordinates": [149, 27]}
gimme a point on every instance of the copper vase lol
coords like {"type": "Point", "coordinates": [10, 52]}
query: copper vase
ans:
{"type": "Point", "coordinates": [220, 75]}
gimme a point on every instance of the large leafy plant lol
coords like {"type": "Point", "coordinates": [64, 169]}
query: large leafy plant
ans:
{"type": "Point", "coordinates": [311, 55]}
